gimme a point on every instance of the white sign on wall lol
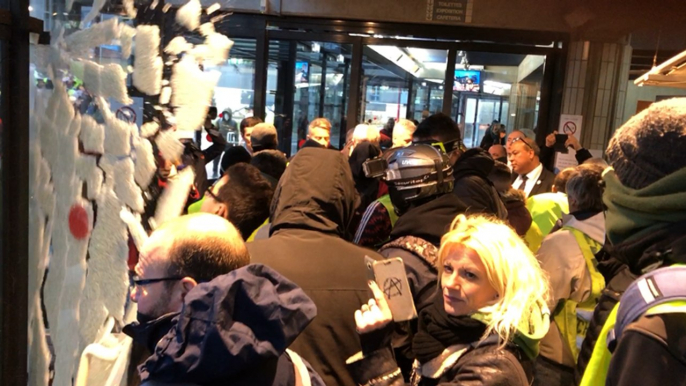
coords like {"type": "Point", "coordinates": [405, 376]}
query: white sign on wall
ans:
{"type": "Point", "coordinates": [569, 124]}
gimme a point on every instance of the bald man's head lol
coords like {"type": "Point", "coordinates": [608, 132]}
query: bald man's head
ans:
{"type": "Point", "coordinates": [201, 246]}
{"type": "Point", "coordinates": [498, 152]}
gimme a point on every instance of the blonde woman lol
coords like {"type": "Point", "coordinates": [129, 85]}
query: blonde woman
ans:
{"type": "Point", "coordinates": [485, 323]}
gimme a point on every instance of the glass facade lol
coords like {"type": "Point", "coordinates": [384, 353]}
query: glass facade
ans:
{"type": "Point", "coordinates": [401, 83]}
{"type": "Point", "coordinates": [496, 87]}
{"type": "Point", "coordinates": [307, 80]}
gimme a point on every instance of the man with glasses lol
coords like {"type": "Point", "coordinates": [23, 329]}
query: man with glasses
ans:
{"type": "Point", "coordinates": [512, 136]}
{"type": "Point", "coordinates": [180, 254]}
{"type": "Point", "coordinates": [190, 328]}
{"type": "Point", "coordinates": [242, 195]}
{"type": "Point", "coordinates": [529, 174]}
{"type": "Point", "coordinates": [471, 167]}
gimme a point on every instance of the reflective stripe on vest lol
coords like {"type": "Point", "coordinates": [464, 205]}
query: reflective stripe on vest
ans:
{"type": "Point", "coordinates": [385, 200]}
{"type": "Point", "coordinates": [572, 318]}
{"type": "Point", "coordinates": [596, 370]}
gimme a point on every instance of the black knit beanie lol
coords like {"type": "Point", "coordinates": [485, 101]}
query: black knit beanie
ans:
{"type": "Point", "coordinates": [650, 145]}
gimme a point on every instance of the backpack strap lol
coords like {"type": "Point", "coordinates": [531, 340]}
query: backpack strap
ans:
{"type": "Point", "coordinates": [302, 375]}
{"type": "Point", "coordinates": [657, 287]}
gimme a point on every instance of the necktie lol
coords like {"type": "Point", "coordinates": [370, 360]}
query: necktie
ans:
{"type": "Point", "coordinates": [522, 186]}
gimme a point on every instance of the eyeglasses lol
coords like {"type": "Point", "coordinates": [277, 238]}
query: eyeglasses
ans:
{"type": "Point", "coordinates": [142, 282]}
{"type": "Point", "coordinates": [523, 141]}
{"type": "Point", "coordinates": [211, 193]}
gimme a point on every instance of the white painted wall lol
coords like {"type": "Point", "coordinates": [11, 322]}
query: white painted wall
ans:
{"type": "Point", "coordinates": [645, 93]}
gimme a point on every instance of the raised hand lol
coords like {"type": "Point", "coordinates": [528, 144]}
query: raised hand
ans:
{"type": "Point", "coordinates": [550, 140]}
{"type": "Point", "coordinates": [572, 142]}
{"type": "Point", "coordinates": [374, 315]}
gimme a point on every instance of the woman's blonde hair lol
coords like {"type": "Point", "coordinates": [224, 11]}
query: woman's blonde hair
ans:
{"type": "Point", "coordinates": [511, 268]}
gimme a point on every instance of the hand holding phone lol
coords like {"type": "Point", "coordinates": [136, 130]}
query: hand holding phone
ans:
{"type": "Point", "coordinates": [374, 315]}
{"type": "Point", "coordinates": [391, 278]}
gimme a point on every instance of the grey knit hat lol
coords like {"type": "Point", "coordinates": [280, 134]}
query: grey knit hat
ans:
{"type": "Point", "coordinates": [650, 145]}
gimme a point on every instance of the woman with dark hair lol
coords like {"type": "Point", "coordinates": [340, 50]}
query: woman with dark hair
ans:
{"type": "Point", "coordinates": [494, 135]}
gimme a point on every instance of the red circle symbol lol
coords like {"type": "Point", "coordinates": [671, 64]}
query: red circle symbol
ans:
{"type": "Point", "coordinates": [78, 222]}
{"type": "Point", "coordinates": [569, 128]}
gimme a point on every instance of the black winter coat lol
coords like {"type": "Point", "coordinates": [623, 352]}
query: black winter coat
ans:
{"type": "Point", "coordinates": [233, 330]}
{"type": "Point", "coordinates": [485, 365]}
{"type": "Point", "coordinates": [312, 208]}
{"type": "Point", "coordinates": [472, 185]}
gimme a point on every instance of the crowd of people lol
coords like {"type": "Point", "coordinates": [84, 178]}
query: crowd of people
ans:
{"type": "Point", "coordinates": [518, 275]}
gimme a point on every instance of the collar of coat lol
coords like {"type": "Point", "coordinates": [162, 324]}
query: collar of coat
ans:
{"type": "Point", "coordinates": [442, 363]}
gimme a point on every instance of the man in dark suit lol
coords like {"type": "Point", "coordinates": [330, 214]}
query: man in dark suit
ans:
{"type": "Point", "coordinates": [529, 174]}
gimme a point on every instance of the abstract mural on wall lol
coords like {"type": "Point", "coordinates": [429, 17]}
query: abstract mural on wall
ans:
{"type": "Point", "coordinates": [89, 171]}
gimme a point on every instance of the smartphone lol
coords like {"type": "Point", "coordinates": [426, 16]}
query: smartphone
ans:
{"type": "Point", "coordinates": [390, 275]}
{"type": "Point", "coordinates": [560, 140]}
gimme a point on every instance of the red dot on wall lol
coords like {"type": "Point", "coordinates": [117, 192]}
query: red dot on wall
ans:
{"type": "Point", "coordinates": [78, 222]}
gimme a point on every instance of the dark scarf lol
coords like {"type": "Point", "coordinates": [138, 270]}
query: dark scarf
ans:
{"type": "Point", "coordinates": [438, 330]}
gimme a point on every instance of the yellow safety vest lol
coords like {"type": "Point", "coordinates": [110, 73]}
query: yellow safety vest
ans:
{"type": "Point", "coordinates": [254, 233]}
{"type": "Point", "coordinates": [599, 363]}
{"type": "Point", "coordinates": [566, 316]}
{"type": "Point", "coordinates": [533, 238]}
{"type": "Point", "coordinates": [385, 200]}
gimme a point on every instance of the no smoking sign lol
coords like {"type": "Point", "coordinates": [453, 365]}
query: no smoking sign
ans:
{"type": "Point", "coordinates": [569, 128]}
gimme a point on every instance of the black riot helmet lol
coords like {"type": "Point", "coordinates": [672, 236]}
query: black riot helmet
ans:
{"type": "Point", "coordinates": [417, 173]}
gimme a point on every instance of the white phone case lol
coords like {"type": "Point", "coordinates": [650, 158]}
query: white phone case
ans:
{"type": "Point", "coordinates": [390, 275]}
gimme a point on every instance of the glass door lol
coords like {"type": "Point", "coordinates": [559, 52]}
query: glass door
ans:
{"type": "Point", "coordinates": [307, 80]}
{"type": "Point", "coordinates": [401, 82]}
{"type": "Point", "coordinates": [492, 86]}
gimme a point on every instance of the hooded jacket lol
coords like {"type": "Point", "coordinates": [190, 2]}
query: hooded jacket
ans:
{"type": "Point", "coordinates": [416, 238]}
{"type": "Point", "coordinates": [232, 330]}
{"type": "Point", "coordinates": [312, 208]}
{"type": "Point", "coordinates": [473, 186]}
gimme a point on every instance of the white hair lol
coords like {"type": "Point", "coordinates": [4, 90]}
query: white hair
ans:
{"type": "Point", "coordinates": [365, 133]}
{"type": "Point", "coordinates": [402, 132]}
